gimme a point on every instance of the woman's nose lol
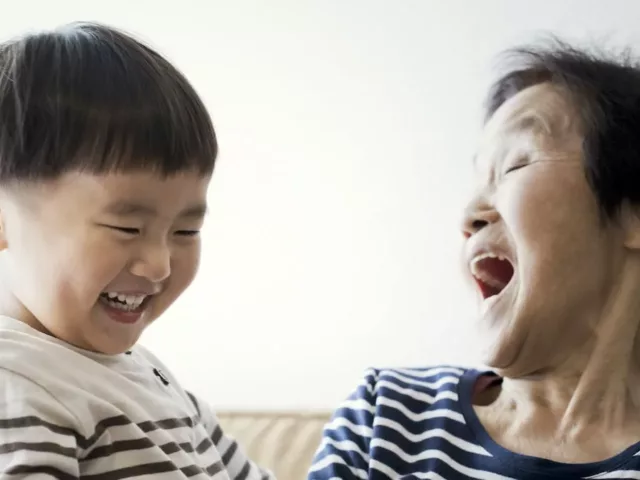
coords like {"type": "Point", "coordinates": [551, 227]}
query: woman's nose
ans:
{"type": "Point", "coordinates": [477, 216]}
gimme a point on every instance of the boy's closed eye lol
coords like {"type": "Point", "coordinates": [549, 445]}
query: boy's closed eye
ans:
{"type": "Point", "coordinates": [127, 230]}
{"type": "Point", "coordinates": [136, 231]}
{"type": "Point", "coordinates": [187, 233]}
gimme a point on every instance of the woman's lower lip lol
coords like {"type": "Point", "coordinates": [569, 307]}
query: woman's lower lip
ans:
{"type": "Point", "coordinates": [489, 302]}
{"type": "Point", "coordinates": [121, 316]}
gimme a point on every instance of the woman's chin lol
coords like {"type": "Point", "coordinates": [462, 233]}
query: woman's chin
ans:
{"type": "Point", "coordinates": [500, 349]}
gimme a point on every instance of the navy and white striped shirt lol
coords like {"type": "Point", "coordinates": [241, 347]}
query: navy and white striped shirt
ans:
{"type": "Point", "coordinates": [420, 424]}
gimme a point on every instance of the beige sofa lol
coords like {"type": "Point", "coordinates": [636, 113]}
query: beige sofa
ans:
{"type": "Point", "coordinates": [282, 442]}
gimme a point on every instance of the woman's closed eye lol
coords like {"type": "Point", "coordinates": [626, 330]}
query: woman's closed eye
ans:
{"type": "Point", "coordinates": [515, 167]}
{"type": "Point", "coordinates": [516, 161]}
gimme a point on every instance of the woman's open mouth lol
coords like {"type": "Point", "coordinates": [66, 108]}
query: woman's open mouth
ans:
{"type": "Point", "coordinates": [492, 273]}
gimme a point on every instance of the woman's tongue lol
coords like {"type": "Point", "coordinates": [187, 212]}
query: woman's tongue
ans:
{"type": "Point", "coordinates": [487, 290]}
{"type": "Point", "coordinates": [493, 275]}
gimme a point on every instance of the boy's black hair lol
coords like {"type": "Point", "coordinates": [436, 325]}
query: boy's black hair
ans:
{"type": "Point", "coordinates": [87, 97]}
{"type": "Point", "coordinates": [604, 89]}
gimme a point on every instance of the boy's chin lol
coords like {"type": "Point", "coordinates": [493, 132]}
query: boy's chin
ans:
{"type": "Point", "coordinates": [109, 342]}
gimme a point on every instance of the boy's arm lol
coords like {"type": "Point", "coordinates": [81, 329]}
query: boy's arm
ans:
{"type": "Point", "coordinates": [238, 465]}
{"type": "Point", "coordinates": [344, 451]}
{"type": "Point", "coordinates": [37, 435]}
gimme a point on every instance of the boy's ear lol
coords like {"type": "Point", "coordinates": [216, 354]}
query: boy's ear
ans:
{"type": "Point", "coordinates": [630, 217]}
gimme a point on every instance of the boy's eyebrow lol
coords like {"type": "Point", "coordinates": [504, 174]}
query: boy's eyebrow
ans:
{"type": "Point", "coordinates": [129, 209]}
{"type": "Point", "coordinates": [195, 212]}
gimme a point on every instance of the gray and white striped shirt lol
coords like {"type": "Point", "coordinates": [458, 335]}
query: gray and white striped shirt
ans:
{"type": "Point", "coordinates": [66, 413]}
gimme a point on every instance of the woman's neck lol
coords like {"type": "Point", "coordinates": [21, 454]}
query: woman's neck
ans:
{"type": "Point", "coordinates": [598, 383]}
{"type": "Point", "coordinates": [593, 395]}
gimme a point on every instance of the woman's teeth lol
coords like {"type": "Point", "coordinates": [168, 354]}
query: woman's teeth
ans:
{"type": "Point", "coordinates": [122, 301]}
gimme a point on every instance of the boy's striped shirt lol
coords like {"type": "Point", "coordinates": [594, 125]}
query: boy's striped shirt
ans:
{"type": "Point", "coordinates": [66, 413]}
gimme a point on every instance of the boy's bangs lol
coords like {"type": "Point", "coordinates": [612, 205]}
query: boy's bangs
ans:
{"type": "Point", "coordinates": [157, 137]}
{"type": "Point", "coordinates": [97, 101]}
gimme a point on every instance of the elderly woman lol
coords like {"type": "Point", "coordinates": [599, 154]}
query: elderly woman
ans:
{"type": "Point", "coordinates": [552, 244]}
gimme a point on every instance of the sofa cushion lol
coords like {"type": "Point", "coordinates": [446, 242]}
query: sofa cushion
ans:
{"type": "Point", "coordinates": [281, 442]}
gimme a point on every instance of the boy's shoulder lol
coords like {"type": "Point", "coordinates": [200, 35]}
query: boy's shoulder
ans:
{"type": "Point", "coordinates": [73, 375]}
{"type": "Point", "coordinates": [19, 342]}
{"type": "Point", "coordinates": [23, 349]}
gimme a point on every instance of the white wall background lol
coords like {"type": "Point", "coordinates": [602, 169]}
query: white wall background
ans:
{"type": "Point", "coordinates": [346, 130]}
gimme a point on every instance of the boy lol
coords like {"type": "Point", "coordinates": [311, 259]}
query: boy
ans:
{"type": "Point", "coordinates": [106, 153]}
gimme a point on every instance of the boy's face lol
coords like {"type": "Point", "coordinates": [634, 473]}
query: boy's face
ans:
{"type": "Point", "coordinates": [94, 259]}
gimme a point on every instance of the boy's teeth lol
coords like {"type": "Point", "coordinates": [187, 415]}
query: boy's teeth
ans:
{"type": "Point", "coordinates": [132, 301]}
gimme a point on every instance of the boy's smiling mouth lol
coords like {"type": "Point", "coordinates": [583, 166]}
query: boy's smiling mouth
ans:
{"type": "Point", "coordinates": [127, 302]}
{"type": "Point", "coordinates": [124, 307]}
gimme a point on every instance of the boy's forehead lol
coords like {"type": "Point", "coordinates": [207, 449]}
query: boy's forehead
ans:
{"type": "Point", "coordinates": [139, 179]}
{"type": "Point", "coordinates": [133, 208]}
{"type": "Point", "coordinates": [140, 193]}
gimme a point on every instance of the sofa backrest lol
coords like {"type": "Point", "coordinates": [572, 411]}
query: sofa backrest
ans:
{"type": "Point", "coordinates": [283, 442]}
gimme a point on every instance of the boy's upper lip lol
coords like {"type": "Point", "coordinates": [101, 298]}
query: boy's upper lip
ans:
{"type": "Point", "coordinates": [135, 291]}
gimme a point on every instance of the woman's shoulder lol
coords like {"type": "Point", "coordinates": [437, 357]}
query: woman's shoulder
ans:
{"type": "Point", "coordinates": [419, 379]}
{"type": "Point", "coordinates": [424, 372]}
{"type": "Point", "coordinates": [390, 409]}
{"type": "Point", "coordinates": [389, 391]}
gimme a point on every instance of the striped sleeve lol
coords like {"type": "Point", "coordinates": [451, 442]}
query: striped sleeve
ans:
{"type": "Point", "coordinates": [344, 451]}
{"type": "Point", "coordinates": [237, 464]}
{"type": "Point", "coordinates": [37, 436]}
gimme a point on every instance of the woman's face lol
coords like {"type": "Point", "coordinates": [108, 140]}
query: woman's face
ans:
{"type": "Point", "coordinates": [537, 250]}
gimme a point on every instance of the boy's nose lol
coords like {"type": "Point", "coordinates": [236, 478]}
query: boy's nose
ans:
{"type": "Point", "coordinates": [154, 264]}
